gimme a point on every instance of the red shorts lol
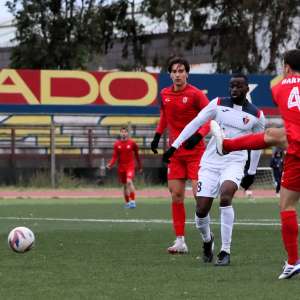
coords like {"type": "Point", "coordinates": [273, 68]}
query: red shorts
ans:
{"type": "Point", "coordinates": [184, 167]}
{"type": "Point", "coordinates": [126, 175]}
{"type": "Point", "coordinates": [291, 173]}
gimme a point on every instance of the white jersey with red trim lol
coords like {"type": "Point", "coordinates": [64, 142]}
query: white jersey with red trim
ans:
{"type": "Point", "coordinates": [235, 120]}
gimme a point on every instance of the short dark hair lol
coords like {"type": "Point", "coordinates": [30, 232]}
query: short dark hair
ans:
{"type": "Point", "coordinates": [124, 128]}
{"type": "Point", "coordinates": [180, 61]}
{"type": "Point", "coordinates": [240, 75]}
{"type": "Point", "coordinates": [292, 58]}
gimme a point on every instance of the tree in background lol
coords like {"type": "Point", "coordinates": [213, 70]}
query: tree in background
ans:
{"type": "Point", "coordinates": [283, 23]}
{"type": "Point", "coordinates": [243, 35]}
{"type": "Point", "coordinates": [251, 35]}
{"type": "Point", "coordinates": [62, 34]}
{"type": "Point", "coordinates": [131, 32]}
{"type": "Point", "coordinates": [201, 14]}
{"type": "Point", "coordinates": [173, 14]}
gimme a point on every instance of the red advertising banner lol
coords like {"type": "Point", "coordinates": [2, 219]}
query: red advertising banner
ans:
{"type": "Point", "coordinates": [75, 90]}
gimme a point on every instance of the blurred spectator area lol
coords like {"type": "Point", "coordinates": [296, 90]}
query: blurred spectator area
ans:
{"type": "Point", "coordinates": [77, 141]}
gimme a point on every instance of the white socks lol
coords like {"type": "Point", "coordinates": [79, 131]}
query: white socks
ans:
{"type": "Point", "coordinates": [203, 225]}
{"type": "Point", "coordinates": [180, 239]}
{"type": "Point", "coordinates": [227, 219]}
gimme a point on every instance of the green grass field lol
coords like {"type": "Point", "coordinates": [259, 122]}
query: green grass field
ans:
{"type": "Point", "coordinates": [96, 249]}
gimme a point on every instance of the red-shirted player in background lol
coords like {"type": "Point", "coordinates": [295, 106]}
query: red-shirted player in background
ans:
{"type": "Point", "coordinates": [180, 103]}
{"type": "Point", "coordinates": [286, 94]}
{"type": "Point", "coordinates": [125, 150]}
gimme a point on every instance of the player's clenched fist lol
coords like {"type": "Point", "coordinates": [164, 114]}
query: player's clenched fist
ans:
{"type": "Point", "coordinates": [168, 154]}
{"type": "Point", "coordinates": [247, 181]}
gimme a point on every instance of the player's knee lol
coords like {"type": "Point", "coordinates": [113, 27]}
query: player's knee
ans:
{"type": "Point", "coordinates": [202, 212]}
{"type": "Point", "coordinates": [129, 183]}
{"type": "Point", "coordinates": [202, 209]}
{"type": "Point", "coordinates": [225, 200]}
{"type": "Point", "coordinates": [177, 196]}
{"type": "Point", "coordinates": [287, 204]}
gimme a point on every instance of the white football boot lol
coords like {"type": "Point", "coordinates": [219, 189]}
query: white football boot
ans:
{"type": "Point", "coordinates": [289, 270]}
{"type": "Point", "coordinates": [179, 247]}
{"type": "Point", "coordinates": [219, 135]}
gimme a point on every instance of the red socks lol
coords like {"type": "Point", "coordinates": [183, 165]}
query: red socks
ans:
{"type": "Point", "coordinates": [126, 197]}
{"type": "Point", "coordinates": [178, 212]}
{"type": "Point", "coordinates": [129, 197]}
{"type": "Point", "coordinates": [289, 232]}
{"type": "Point", "coordinates": [246, 142]}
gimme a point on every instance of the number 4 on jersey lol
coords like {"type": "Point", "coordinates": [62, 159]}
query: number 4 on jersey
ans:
{"type": "Point", "coordinates": [294, 98]}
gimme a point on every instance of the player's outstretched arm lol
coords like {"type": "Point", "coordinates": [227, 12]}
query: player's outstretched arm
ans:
{"type": "Point", "coordinates": [207, 113]}
{"type": "Point", "coordinates": [192, 141]}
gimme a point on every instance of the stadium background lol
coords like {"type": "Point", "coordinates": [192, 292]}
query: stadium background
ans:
{"type": "Point", "coordinates": [88, 246]}
{"type": "Point", "coordinates": [85, 110]}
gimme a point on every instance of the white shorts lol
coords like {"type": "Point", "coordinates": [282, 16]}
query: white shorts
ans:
{"type": "Point", "coordinates": [210, 179]}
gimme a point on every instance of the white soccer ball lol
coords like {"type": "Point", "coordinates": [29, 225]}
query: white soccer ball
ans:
{"type": "Point", "coordinates": [21, 239]}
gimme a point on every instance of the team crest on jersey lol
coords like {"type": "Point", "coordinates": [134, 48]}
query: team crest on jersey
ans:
{"type": "Point", "coordinates": [184, 99]}
{"type": "Point", "coordinates": [167, 100]}
{"type": "Point", "coordinates": [246, 120]}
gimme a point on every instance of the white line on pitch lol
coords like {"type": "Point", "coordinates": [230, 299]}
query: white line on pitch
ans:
{"type": "Point", "coordinates": [246, 222]}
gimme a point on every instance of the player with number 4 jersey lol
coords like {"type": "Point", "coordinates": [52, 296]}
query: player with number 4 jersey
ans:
{"type": "Point", "coordinates": [286, 94]}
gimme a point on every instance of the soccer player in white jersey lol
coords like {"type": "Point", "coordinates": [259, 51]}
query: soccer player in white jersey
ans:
{"type": "Point", "coordinates": [221, 175]}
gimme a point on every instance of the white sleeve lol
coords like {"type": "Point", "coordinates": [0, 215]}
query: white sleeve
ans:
{"type": "Point", "coordinates": [254, 160]}
{"type": "Point", "coordinates": [260, 124]}
{"type": "Point", "coordinates": [207, 113]}
{"type": "Point", "coordinates": [255, 154]}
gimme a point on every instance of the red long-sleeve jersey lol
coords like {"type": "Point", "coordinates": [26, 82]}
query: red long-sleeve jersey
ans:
{"type": "Point", "coordinates": [125, 151]}
{"type": "Point", "coordinates": [286, 96]}
{"type": "Point", "coordinates": [177, 110]}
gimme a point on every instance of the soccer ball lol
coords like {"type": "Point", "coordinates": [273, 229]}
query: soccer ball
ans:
{"type": "Point", "coordinates": [21, 239]}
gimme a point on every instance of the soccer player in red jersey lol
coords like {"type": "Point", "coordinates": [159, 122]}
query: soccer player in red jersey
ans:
{"type": "Point", "coordinates": [286, 94]}
{"type": "Point", "coordinates": [180, 103]}
{"type": "Point", "coordinates": [125, 150]}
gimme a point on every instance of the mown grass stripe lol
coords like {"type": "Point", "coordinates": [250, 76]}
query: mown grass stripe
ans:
{"type": "Point", "coordinates": [246, 222]}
